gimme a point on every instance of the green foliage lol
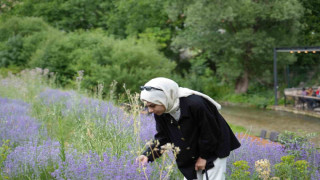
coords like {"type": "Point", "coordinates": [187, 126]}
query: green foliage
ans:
{"type": "Point", "coordinates": [235, 38]}
{"type": "Point", "coordinates": [258, 99]}
{"type": "Point", "coordinates": [127, 19]}
{"type": "Point", "coordinates": [294, 138]}
{"type": "Point", "coordinates": [240, 170]}
{"type": "Point", "coordinates": [201, 78]}
{"type": "Point", "coordinates": [12, 69]}
{"type": "Point", "coordinates": [239, 35]}
{"type": "Point", "coordinates": [237, 129]}
{"type": "Point", "coordinates": [136, 21]}
{"type": "Point", "coordinates": [103, 59]}
{"type": "Point", "coordinates": [4, 151]}
{"type": "Point", "coordinates": [19, 39]}
{"type": "Point", "coordinates": [68, 15]}
{"type": "Point", "coordinates": [23, 26]}
{"type": "Point", "coordinates": [11, 53]}
{"type": "Point", "coordinates": [284, 169]}
{"type": "Point", "coordinates": [291, 169]}
{"type": "Point", "coordinates": [162, 37]}
{"type": "Point", "coordinates": [302, 168]}
{"type": "Point", "coordinates": [6, 7]}
{"type": "Point", "coordinates": [311, 23]}
{"type": "Point", "coordinates": [122, 18]}
{"type": "Point", "coordinates": [54, 54]}
{"type": "Point", "coordinates": [295, 141]}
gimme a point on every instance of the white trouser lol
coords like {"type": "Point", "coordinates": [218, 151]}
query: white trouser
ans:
{"type": "Point", "coordinates": [215, 173]}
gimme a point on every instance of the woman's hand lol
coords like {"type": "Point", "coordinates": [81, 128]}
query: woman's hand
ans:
{"type": "Point", "coordinates": [200, 164]}
{"type": "Point", "coordinates": [142, 159]}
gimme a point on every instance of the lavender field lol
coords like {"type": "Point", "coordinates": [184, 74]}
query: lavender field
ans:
{"type": "Point", "coordinates": [49, 133]}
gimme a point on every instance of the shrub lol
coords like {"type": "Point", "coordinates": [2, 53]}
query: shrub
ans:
{"type": "Point", "coordinates": [289, 168]}
{"type": "Point", "coordinates": [29, 42]}
{"type": "Point", "coordinates": [23, 26]}
{"type": "Point", "coordinates": [240, 170]}
{"type": "Point", "coordinates": [20, 38]}
{"type": "Point", "coordinates": [68, 15]}
{"type": "Point", "coordinates": [11, 53]}
{"type": "Point", "coordinates": [296, 144]}
{"type": "Point", "coordinates": [103, 60]}
{"type": "Point", "coordinates": [201, 78]}
{"type": "Point", "coordinates": [54, 54]}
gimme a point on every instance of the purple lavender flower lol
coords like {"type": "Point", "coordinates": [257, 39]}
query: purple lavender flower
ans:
{"type": "Point", "coordinates": [16, 124]}
{"type": "Point", "coordinates": [148, 127]}
{"type": "Point", "coordinates": [92, 166]}
{"type": "Point", "coordinates": [31, 158]}
{"type": "Point", "coordinates": [252, 151]}
{"type": "Point", "coordinates": [53, 96]}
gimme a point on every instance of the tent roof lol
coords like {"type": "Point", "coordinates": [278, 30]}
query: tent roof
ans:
{"type": "Point", "coordinates": [296, 49]}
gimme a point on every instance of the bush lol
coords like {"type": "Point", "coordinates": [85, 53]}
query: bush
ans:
{"type": "Point", "coordinates": [54, 54]}
{"type": "Point", "coordinates": [12, 51]}
{"type": "Point", "coordinates": [68, 15]}
{"type": "Point", "coordinates": [29, 42]}
{"type": "Point", "coordinates": [289, 168]}
{"type": "Point", "coordinates": [240, 170]}
{"type": "Point", "coordinates": [103, 60]}
{"type": "Point", "coordinates": [201, 78]}
{"type": "Point", "coordinates": [23, 26]}
{"type": "Point", "coordinates": [19, 39]}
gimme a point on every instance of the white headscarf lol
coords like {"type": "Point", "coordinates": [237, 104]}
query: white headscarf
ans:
{"type": "Point", "coordinates": [170, 95]}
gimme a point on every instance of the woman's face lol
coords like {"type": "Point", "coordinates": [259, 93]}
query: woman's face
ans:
{"type": "Point", "coordinates": [155, 108]}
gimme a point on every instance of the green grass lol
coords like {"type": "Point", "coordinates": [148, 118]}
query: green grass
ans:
{"type": "Point", "coordinates": [237, 129]}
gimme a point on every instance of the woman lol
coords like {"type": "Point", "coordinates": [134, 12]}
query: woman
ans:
{"type": "Point", "coordinates": [191, 121]}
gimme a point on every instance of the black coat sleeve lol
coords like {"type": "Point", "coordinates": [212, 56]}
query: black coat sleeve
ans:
{"type": "Point", "coordinates": [160, 138]}
{"type": "Point", "coordinates": [209, 128]}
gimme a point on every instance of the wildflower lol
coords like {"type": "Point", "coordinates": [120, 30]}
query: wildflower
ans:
{"type": "Point", "coordinates": [149, 143]}
{"type": "Point", "coordinates": [263, 168]}
{"type": "Point", "coordinates": [177, 150]}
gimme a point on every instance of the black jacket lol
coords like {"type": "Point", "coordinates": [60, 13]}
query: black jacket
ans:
{"type": "Point", "coordinates": [200, 132]}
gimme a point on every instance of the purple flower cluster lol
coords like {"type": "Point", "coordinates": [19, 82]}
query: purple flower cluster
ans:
{"type": "Point", "coordinates": [15, 122]}
{"type": "Point", "coordinates": [92, 166]}
{"type": "Point", "coordinates": [148, 127]}
{"type": "Point", "coordinates": [102, 111]}
{"type": "Point", "coordinates": [32, 158]}
{"type": "Point", "coordinates": [307, 151]}
{"type": "Point", "coordinates": [53, 96]}
{"type": "Point", "coordinates": [251, 150]}
{"type": "Point", "coordinates": [105, 113]}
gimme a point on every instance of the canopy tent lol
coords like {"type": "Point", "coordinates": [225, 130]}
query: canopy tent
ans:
{"type": "Point", "coordinates": [289, 50]}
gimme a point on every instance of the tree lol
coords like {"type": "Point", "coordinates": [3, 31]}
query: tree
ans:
{"type": "Point", "coordinates": [19, 39]}
{"type": "Point", "coordinates": [311, 21]}
{"type": "Point", "coordinates": [147, 20]}
{"type": "Point", "coordinates": [68, 15]}
{"type": "Point", "coordinates": [239, 36]}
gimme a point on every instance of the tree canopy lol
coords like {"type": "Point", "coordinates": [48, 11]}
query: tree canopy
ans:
{"type": "Point", "coordinates": [239, 36]}
{"type": "Point", "coordinates": [231, 41]}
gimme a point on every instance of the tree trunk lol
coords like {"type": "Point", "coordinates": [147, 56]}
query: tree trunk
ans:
{"type": "Point", "coordinates": [242, 83]}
